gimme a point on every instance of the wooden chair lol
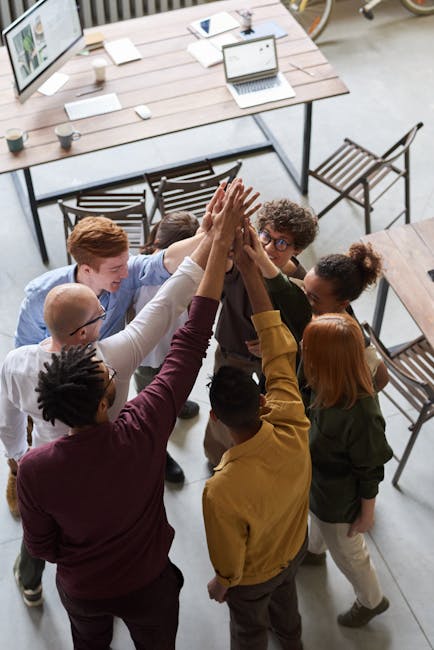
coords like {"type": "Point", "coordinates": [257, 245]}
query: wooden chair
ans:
{"type": "Point", "coordinates": [411, 373]}
{"type": "Point", "coordinates": [126, 209]}
{"type": "Point", "coordinates": [186, 187]}
{"type": "Point", "coordinates": [354, 172]}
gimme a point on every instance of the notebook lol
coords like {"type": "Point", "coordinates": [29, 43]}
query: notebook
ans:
{"type": "Point", "coordinates": [93, 106]}
{"type": "Point", "coordinates": [122, 50]}
{"type": "Point", "coordinates": [209, 51]}
{"type": "Point", "coordinates": [252, 72]}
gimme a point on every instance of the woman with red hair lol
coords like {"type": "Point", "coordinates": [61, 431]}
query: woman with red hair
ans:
{"type": "Point", "coordinates": [348, 449]}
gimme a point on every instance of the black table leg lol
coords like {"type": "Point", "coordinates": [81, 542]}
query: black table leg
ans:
{"type": "Point", "coordinates": [380, 304]}
{"type": "Point", "coordinates": [29, 206]}
{"type": "Point", "coordinates": [307, 132]}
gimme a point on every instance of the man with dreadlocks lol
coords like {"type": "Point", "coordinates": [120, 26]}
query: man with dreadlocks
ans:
{"type": "Point", "coordinates": [112, 560]}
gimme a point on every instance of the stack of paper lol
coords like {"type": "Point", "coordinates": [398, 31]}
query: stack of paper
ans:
{"type": "Point", "coordinates": [94, 40]}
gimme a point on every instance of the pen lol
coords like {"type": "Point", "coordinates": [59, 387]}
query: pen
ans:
{"type": "Point", "coordinates": [294, 65]}
{"type": "Point", "coordinates": [192, 31]}
{"type": "Point", "coordinates": [88, 92]}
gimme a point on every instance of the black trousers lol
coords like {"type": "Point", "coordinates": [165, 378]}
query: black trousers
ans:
{"type": "Point", "coordinates": [150, 614]}
{"type": "Point", "coordinates": [254, 609]}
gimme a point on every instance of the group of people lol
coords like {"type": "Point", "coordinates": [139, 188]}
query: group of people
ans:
{"type": "Point", "coordinates": [295, 427]}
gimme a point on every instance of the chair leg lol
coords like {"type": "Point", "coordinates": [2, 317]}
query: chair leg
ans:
{"type": "Point", "coordinates": [367, 205]}
{"type": "Point", "coordinates": [407, 186]}
{"type": "Point", "coordinates": [410, 445]}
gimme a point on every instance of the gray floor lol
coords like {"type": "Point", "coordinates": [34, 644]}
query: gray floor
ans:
{"type": "Point", "coordinates": [388, 66]}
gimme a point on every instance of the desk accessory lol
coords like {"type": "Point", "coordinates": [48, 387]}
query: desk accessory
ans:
{"type": "Point", "coordinates": [53, 84]}
{"type": "Point", "coordinates": [143, 111]}
{"type": "Point", "coordinates": [209, 52]}
{"type": "Point", "coordinates": [66, 133]}
{"type": "Point", "coordinates": [213, 25]}
{"type": "Point", "coordinates": [122, 50]}
{"type": "Point", "coordinates": [15, 139]}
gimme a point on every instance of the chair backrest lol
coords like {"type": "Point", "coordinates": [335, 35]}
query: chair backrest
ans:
{"type": "Point", "coordinates": [411, 369]}
{"type": "Point", "coordinates": [402, 145]}
{"type": "Point", "coordinates": [188, 187]}
{"type": "Point", "coordinates": [127, 210]}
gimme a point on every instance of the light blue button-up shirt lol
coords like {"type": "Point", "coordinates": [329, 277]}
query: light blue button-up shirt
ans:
{"type": "Point", "coordinates": [142, 270]}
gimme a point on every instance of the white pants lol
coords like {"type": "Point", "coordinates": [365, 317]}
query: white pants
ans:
{"type": "Point", "coordinates": [350, 555]}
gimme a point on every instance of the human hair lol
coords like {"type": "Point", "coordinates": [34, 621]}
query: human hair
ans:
{"type": "Point", "coordinates": [71, 386]}
{"type": "Point", "coordinates": [287, 217]}
{"type": "Point", "coordinates": [94, 238]}
{"type": "Point", "coordinates": [173, 227]}
{"type": "Point", "coordinates": [234, 397]}
{"type": "Point", "coordinates": [352, 272]}
{"type": "Point", "coordinates": [334, 361]}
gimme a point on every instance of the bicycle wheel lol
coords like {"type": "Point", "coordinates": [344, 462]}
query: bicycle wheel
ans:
{"type": "Point", "coordinates": [419, 7]}
{"type": "Point", "coordinates": [312, 15]}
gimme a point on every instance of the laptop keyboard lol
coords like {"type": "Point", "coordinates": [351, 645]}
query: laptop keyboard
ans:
{"type": "Point", "coordinates": [257, 85]}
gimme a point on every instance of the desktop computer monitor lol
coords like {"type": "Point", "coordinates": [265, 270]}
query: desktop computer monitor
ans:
{"type": "Point", "coordinates": [40, 41]}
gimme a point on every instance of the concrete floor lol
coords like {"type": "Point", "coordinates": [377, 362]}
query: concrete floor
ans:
{"type": "Point", "coordinates": [388, 66]}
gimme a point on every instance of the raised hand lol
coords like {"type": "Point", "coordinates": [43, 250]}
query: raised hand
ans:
{"type": "Point", "coordinates": [214, 205]}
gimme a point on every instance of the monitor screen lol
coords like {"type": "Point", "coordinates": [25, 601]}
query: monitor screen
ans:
{"type": "Point", "coordinates": [40, 41]}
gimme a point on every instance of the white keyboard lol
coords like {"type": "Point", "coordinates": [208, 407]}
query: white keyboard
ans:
{"type": "Point", "coordinates": [93, 106]}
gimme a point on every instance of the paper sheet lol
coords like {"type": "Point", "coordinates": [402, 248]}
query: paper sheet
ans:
{"type": "Point", "coordinates": [53, 84]}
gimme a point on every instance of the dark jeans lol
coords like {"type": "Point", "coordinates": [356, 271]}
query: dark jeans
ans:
{"type": "Point", "coordinates": [150, 614]}
{"type": "Point", "coordinates": [254, 609]}
{"type": "Point", "coordinates": [30, 569]}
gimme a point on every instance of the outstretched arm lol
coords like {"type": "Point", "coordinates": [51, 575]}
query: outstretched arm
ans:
{"type": "Point", "coordinates": [167, 393]}
{"type": "Point", "coordinates": [246, 260]}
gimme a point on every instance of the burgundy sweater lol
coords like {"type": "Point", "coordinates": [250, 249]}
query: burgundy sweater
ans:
{"type": "Point", "coordinates": [93, 502]}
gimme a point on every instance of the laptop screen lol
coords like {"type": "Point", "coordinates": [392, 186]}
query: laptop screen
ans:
{"type": "Point", "coordinates": [254, 58]}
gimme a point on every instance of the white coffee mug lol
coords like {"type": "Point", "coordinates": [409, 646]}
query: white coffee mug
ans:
{"type": "Point", "coordinates": [66, 134]}
{"type": "Point", "coordinates": [99, 65]}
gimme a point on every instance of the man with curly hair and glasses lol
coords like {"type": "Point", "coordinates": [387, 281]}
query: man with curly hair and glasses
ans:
{"type": "Point", "coordinates": [285, 230]}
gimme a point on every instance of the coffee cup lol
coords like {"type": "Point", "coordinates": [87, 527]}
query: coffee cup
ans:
{"type": "Point", "coordinates": [66, 134]}
{"type": "Point", "coordinates": [16, 139]}
{"type": "Point", "coordinates": [99, 65]}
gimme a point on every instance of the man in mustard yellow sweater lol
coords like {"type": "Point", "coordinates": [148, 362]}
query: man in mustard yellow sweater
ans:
{"type": "Point", "coordinates": [256, 504]}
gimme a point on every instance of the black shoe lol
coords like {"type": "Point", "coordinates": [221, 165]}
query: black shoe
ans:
{"type": "Point", "coordinates": [358, 615]}
{"type": "Point", "coordinates": [174, 473]}
{"type": "Point", "coordinates": [189, 410]}
{"type": "Point", "coordinates": [31, 597]}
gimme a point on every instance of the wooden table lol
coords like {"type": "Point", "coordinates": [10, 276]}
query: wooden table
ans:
{"type": "Point", "coordinates": [408, 255]}
{"type": "Point", "coordinates": [179, 91]}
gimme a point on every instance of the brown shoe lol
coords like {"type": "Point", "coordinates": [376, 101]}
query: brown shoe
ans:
{"type": "Point", "coordinates": [11, 495]}
{"type": "Point", "coordinates": [358, 615]}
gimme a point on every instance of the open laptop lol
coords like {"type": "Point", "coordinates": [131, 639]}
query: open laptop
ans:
{"type": "Point", "coordinates": [252, 72]}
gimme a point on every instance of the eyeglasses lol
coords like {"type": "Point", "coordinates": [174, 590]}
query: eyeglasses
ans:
{"type": "Point", "coordinates": [91, 322]}
{"type": "Point", "coordinates": [280, 244]}
{"type": "Point", "coordinates": [111, 374]}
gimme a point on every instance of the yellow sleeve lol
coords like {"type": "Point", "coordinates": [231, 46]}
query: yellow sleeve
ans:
{"type": "Point", "coordinates": [226, 535]}
{"type": "Point", "coordinates": [279, 349]}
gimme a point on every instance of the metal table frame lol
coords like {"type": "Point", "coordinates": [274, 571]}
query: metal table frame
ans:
{"type": "Point", "coordinates": [30, 202]}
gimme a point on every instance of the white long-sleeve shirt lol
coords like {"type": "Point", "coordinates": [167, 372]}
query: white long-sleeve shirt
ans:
{"type": "Point", "coordinates": [123, 351]}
